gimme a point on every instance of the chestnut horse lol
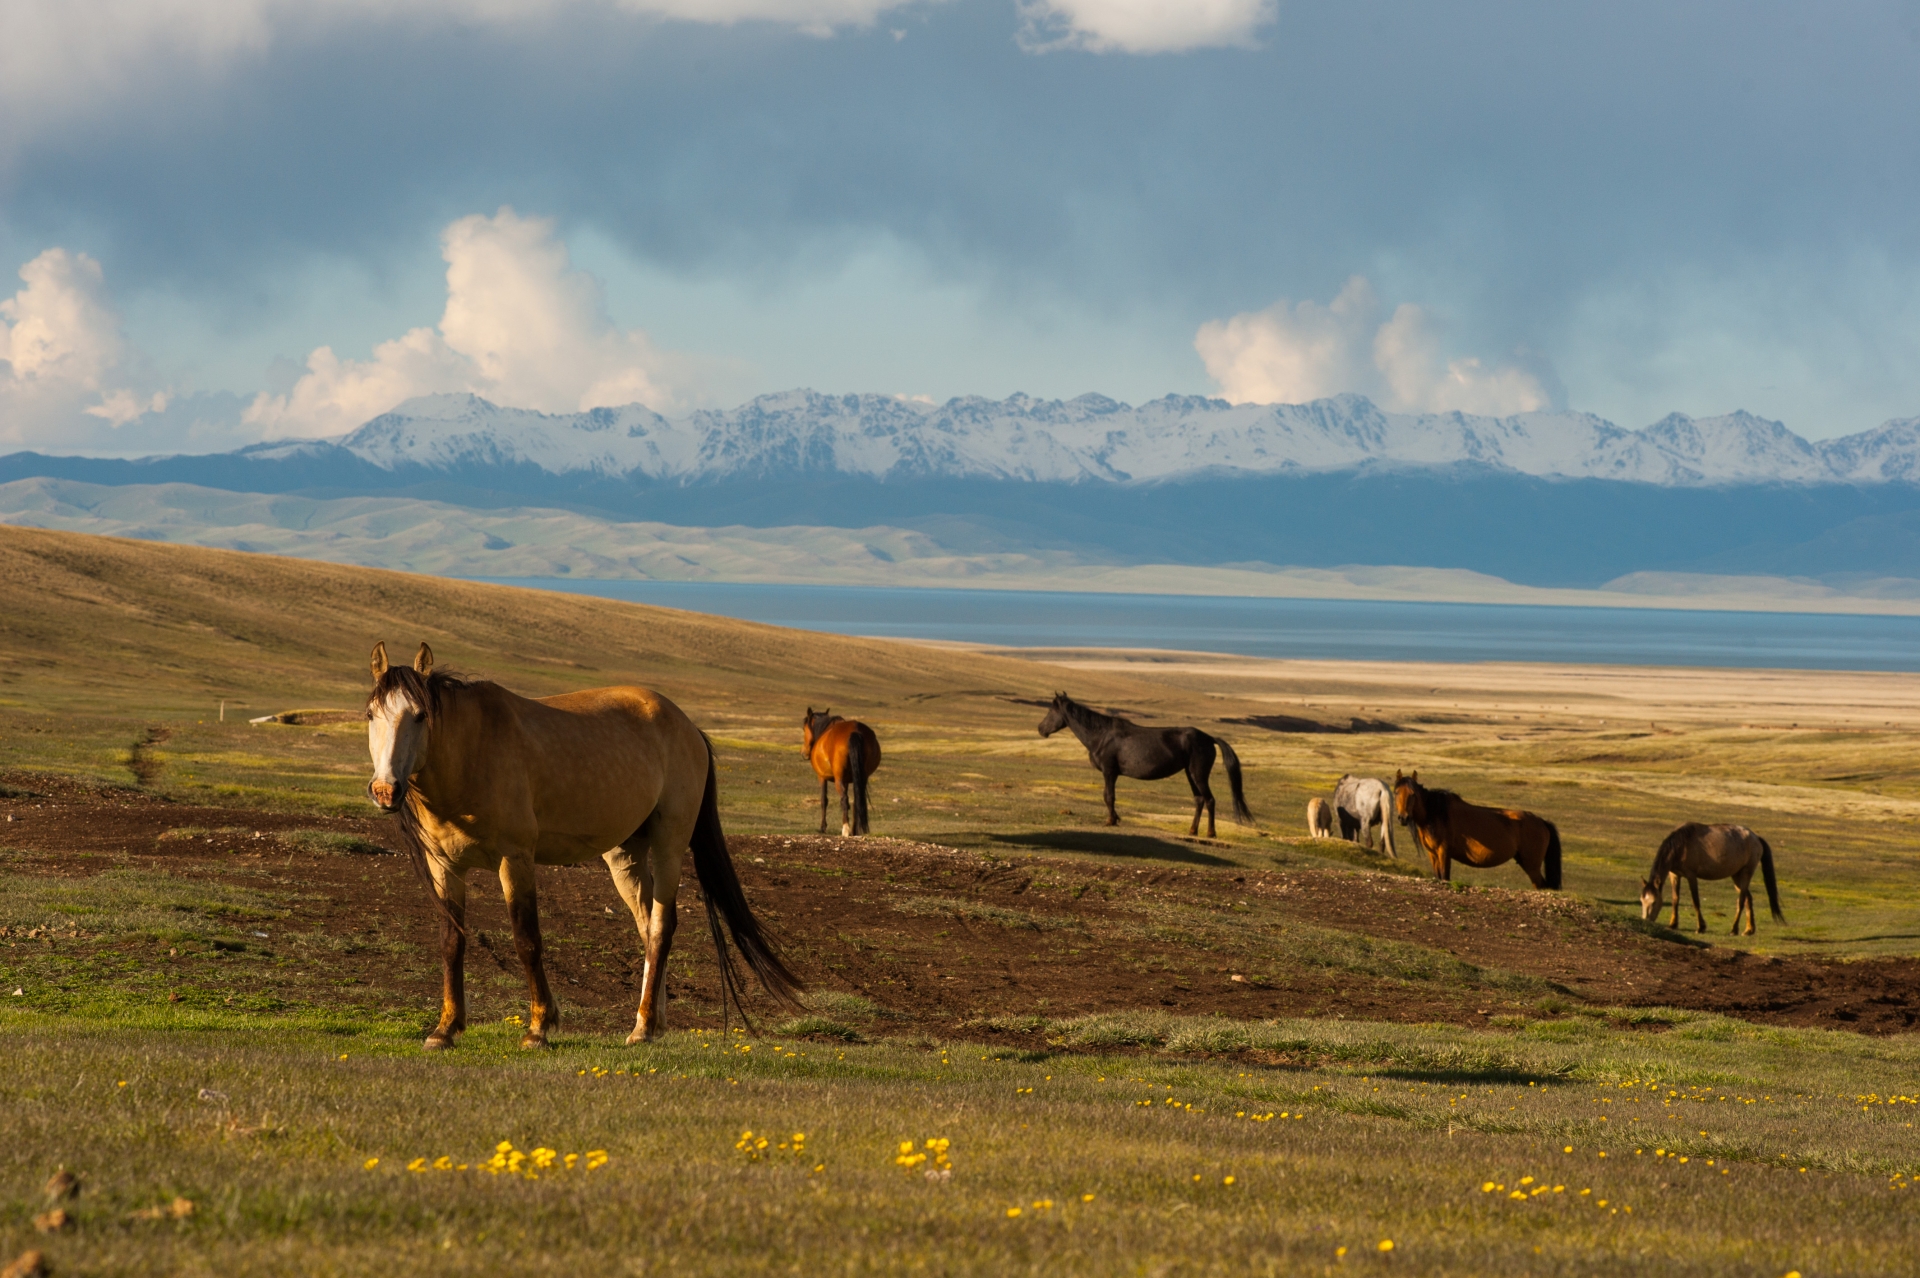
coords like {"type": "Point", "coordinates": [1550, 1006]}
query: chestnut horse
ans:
{"type": "Point", "coordinates": [1119, 747]}
{"type": "Point", "coordinates": [1694, 852]}
{"type": "Point", "coordinates": [1451, 829]}
{"type": "Point", "coordinates": [482, 779]}
{"type": "Point", "coordinates": [845, 751]}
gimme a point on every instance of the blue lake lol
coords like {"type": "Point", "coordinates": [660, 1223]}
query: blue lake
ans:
{"type": "Point", "coordinates": [1349, 629]}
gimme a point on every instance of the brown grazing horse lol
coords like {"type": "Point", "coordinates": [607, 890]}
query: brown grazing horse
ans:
{"type": "Point", "coordinates": [1451, 829]}
{"type": "Point", "coordinates": [482, 779]}
{"type": "Point", "coordinates": [844, 751]}
{"type": "Point", "coordinates": [1694, 852]}
{"type": "Point", "coordinates": [1119, 747]}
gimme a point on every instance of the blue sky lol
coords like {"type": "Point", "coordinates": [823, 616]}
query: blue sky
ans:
{"type": "Point", "coordinates": [245, 219]}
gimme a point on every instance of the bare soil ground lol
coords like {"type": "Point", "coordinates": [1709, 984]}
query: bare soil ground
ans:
{"type": "Point", "coordinates": [939, 940]}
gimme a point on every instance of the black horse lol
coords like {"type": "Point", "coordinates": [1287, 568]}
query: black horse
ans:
{"type": "Point", "coordinates": [1119, 748]}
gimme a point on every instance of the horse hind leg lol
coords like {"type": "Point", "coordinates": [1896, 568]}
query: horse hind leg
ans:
{"type": "Point", "coordinates": [523, 910]}
{"type": "Point", "coordinates": [823, 805]}
{"type": "Point", "coordinates": [846, 809]}
{"type": "Point", "coordinates": [1744, 883]}
{"type": "Point", "coordinates": [1113, 813]}
{"type": "Point", "coordinates": [666, 843]}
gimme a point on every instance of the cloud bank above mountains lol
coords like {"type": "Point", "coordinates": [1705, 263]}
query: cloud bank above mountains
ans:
{"type": "Point", "coordinates": [521, 327]}
{"type": "Point", "coordinates": [1294, 355]}
{"type": "Point", "coordinates": [1630, 209]}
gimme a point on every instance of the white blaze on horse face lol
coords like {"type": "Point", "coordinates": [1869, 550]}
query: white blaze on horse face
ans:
{"type": "Point", "coordinates": [395, 733]}
{"type": "Point", "coordinates": [1649, 900]}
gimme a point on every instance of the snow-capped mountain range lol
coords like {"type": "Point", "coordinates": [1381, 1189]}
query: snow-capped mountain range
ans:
{"type": "Point", "coordinates": [1093, 438]}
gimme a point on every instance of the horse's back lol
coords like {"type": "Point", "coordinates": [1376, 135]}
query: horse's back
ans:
{"type": "Point", "coordinates": [830, 749]}
{"type": "Point", "coordinates": [602, 760]}
{"type": "Point", "coordinates": [1720, 851]}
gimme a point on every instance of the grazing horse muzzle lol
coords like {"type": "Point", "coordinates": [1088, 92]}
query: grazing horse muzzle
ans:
{"type": "Point", "coordinates": [387, 795]}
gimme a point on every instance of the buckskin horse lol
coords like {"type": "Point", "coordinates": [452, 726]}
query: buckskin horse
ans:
{"type": "Point", "coordinates": [1118, 748]}
{"type": "Point", "coordinates": [1694, 852]}
{"type": "Point", "coordinates": [1451, 829]}
{"type": "Point", "coordinates": [483, 779]}
{"type": "Point", "coordinates": [845, 752]}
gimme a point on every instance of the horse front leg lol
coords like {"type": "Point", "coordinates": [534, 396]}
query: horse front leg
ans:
{"type": "Point", "coordinates": [1674, 880]}
{"type": "Point", "coordinates": [523, 910]}
{"type": "Point", "coordinates": [450, 886]}
{"type": "Point", "coordinates": [1700, 919]}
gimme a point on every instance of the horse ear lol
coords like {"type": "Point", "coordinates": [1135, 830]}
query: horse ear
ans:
{"type": "Point", "coordinates": [378, 662]}
{"type": "Point", "coordinates": [1398, 776]}
{"type": "Point", "coordinates": [1415, 778]}
{"type": "Point", "coordinates": [423, 660]}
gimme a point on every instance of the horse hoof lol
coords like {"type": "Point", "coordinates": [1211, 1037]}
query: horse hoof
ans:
{"type": "Point", "coordinates": [437, 1043]}
{"type": "Point", "coordinates": [846, 831]}
{"type": "Point", "coordinates": [532, 1042]}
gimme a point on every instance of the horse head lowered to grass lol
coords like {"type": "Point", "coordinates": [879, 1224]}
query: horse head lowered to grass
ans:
{"type": "Point", "coordinates": [481, 778]}
{"type": "Point", "coordinates": [1694, 852]}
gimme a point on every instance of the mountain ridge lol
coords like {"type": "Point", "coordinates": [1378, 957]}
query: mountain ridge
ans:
{"type": "Point", "coordinates": [1088, 439]}
{"type": "Point", "coordinates": [1096, 439]}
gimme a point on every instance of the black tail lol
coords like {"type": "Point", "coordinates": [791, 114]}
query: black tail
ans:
{"type": "Point", "coordinates": [1232, 760]}
{"type": "Point", "coordinates": [1766, 872]}
{"type": "Point", "coordinates": [857, 778]}
{"type": "Point", "coordinates": [721, 886]}
{"type": "Point", "coordinates": [1550, 872]}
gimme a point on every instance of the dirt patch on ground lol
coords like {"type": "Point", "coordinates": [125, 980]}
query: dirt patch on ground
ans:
{"type": "Point", "coordinates": [937, 939]}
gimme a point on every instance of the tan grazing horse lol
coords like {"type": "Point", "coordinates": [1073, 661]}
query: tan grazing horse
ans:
{"type": "Point", "coordinates": [846, 752]}
{"type": "Point", "coordinates": [1694, 852]}
{"type": "Point", "coordinates": [1451, 829]}
{"type": "Point", "coordinates": [1319, 819]}
{"type": "Point", "coordinates": [482, 779]}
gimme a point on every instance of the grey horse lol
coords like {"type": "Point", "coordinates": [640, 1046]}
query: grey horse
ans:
{"type": "Point", "coordinates": [1362, 803]}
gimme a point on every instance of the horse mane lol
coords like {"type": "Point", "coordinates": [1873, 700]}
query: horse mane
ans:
{"type": "Point", "coordinates": [1671, 846]}
{"type": "Point", "coordinates": [1438, 803]}
{"type": "Point", "coordinates": [1085, 714]}
{"type": "Point", "coordinates": [422, 692]}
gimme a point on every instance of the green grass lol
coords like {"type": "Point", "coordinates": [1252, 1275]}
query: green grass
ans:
{"type": "Point", "coordinates": [258, 1085]}
{"type": "Point", "coordinates": [1376, 1133]}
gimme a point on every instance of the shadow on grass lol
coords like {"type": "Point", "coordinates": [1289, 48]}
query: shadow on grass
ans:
{"type": "Point", "coordinates": [1487, 1075]}
{"type": "Point", "coordinates": [1661, 932]}
{"type": "Point", "coordinates": [1130, 847]}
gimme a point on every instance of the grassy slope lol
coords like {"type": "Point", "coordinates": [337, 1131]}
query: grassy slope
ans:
{"type": "Point", "coordinates": [106, 644]}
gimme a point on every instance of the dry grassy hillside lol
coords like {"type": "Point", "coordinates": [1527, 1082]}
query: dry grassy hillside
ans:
{"type": "Point", "coordinates": [99, 623]}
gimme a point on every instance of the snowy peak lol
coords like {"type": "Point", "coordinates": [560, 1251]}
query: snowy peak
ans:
{"type": "Point", "coordinates": [1093, 438]}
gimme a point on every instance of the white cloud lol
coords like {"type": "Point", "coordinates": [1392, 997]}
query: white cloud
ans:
{"type": "Point", "coordinates": [1292, 355]}
{"type": "Point", "coordinates": [521, 326]}
{"type": "Point", "coordinates": [61, 353]}
{"type": "Point", "coordinates": [59, 329]}
{"type": "Point", "coordinates": [1141, 26]}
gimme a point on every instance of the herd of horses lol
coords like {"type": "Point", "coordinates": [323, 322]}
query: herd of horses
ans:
{"type": "Point", "coordinates": [480, 778]}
